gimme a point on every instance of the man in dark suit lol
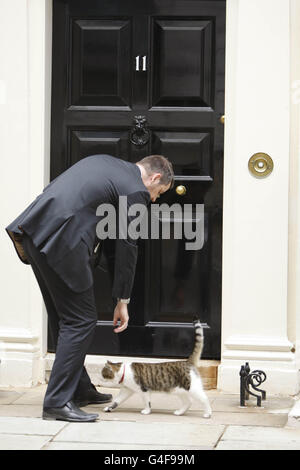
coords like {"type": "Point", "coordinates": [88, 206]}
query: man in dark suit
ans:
{"type": "Point", "coordinates": [56, 235]}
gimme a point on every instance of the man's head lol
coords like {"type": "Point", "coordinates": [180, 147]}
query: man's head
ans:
{"type": "Point", "coordinates": [157, 174]}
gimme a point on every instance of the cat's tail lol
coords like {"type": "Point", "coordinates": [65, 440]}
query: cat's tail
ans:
{"type": "Point", "coordinates": [198, 345]}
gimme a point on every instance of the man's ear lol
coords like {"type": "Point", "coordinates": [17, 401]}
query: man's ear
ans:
{"type": "Point", "coordinates": [155, 177]}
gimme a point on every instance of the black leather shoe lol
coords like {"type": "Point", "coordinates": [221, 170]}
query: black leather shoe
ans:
{"type": "Point", "coordinates": [92, 397]}
{"type": "Point", "coordinates": [69, 412]}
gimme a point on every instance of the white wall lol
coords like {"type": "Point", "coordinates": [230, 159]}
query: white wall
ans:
{"type": "Point", "coordinates": [255, 243]}
{"type": "Point", "coordinates": [25, 57]}
{"type": "Point", "coordinates": [294, 189]}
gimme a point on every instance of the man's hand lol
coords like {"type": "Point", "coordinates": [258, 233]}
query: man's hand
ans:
{"type": "Point", "coordinates": [121, 313]}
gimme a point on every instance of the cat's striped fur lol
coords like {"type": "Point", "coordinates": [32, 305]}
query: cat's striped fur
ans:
{"type": "Point", "coordinates": [179, 377]}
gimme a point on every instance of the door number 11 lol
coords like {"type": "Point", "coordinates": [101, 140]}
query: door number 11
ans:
{"type": "Point", "coordinates": [137, 63]}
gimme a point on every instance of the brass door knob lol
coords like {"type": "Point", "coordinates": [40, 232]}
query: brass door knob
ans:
{"type": "Point", "coordinates": [222, 119]}
{"type": "Point", "coordinates": [181, 190]}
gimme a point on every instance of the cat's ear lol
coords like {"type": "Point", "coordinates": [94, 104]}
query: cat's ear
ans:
{"type": "Point", "coordinates": [115, 366]}
{"type": "Point", "coordinates": [108, 366]}
{"type": "Point", "coordinates": [107, 371]}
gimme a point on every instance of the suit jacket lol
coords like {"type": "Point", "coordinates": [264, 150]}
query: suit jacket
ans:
{"type": "Point", "coordinates": [62, 220]}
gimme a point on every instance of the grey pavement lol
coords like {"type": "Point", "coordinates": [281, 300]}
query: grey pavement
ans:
{"type": "Point", "coordinates": [272, 427]}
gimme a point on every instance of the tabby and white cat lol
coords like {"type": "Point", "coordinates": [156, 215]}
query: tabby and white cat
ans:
{"type": "Point", "coordinates": [179, 377]}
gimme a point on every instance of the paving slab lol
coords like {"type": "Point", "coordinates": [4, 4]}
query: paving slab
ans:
{"type": "Point", "coordinates": [37, 426]}
{"type": "Point", "coordinates": [22, 411]}
{"type": "Point", "coordinates": [113, 447]}
{"type": "Point", "coordinates": [231, 427]}
{"type": "Point", "coordinates": [22, 442]}
{"type": "Point", "coordinates": [294, 415]}
{"type": "Point", "coordinates": [243, 445]}
{"type": "Point", "coordinates": [159, 401]}
{"type": "Point", "coordinates": [226, 410]}
{"type": "Point", "coordinates": [32, 396]}
{"type": "Point", "coordinates": [9, 396]}
{"type": "Point", "coordinates": [255, 437]}
{"type": "Point", "coordinates": [124, 433]}
{"type": "Point", "coordinates": [194, 417]}
{"type": "Point", "coordinates": [219, 402]}
{"type": "Point", "coordinates": [273, 404]}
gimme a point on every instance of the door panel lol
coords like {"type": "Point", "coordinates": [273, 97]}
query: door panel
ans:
{"type": "Point", "coordinates": [163, 60]}
{"type": "Point", "coordinates": [182, 62]}
{"type": "Point", "coordinates": [195, 146]}
{"type": "Point", "coordinates": [85, 142]}
{"type": "Point", "coordinates": [100, 66]}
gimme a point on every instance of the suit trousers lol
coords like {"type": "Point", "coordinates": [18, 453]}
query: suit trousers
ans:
{"type": "Point", "coordinates": [72, 321]}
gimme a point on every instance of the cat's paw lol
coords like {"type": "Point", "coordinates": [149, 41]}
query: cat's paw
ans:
{"type": "Point", "coordinates": [146, 411]}
{"type": "Point", "coordinates": [207, 415]}
{"type": "Point", "coordinates": [179, 412]}
{"type": "Point", "coordinates": [107, 409]}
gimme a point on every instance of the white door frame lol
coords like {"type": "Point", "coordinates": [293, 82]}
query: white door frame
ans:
{"type": "Point", "coordinates": [256, 211]}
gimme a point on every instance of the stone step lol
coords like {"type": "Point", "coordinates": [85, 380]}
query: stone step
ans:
{"type": "Point", "coordinates": [208, 369]}
{"type": "Point", "coordinates": [209, 373]}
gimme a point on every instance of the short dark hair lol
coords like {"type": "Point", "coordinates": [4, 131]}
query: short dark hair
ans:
{"type": "Point", "coordinates": [159, 164]}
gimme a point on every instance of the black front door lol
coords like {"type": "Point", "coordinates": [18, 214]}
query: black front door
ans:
{"type": "Point", "coordinates": [133, 78]}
